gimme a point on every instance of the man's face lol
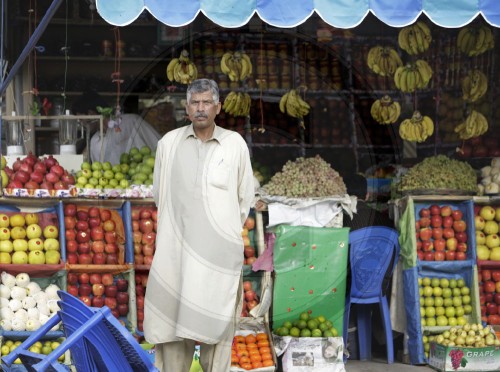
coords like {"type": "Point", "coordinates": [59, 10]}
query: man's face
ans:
{"type": "Point", "coordinates": [202, 110]}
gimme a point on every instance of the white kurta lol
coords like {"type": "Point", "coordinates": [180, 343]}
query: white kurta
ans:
{"type": "Point", "coordinates": [203, 191]}
{"type": "Point", "coordinates": [134, 132]}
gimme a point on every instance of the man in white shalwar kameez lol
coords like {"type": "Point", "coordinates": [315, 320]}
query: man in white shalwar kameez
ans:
{"type": "Point", "coordinates": [203, 188]}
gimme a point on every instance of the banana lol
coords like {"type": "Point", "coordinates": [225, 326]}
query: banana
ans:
{"type": "Point", "coordinates": [479, 45]}
{"type": "Point", "coordinates": [170, 68]}
{"type": "Point", "coordinates": [425, 72]}
{"type": "Point", "coordinates": [403, 39]}
{"type": "Point", "coordinates": [224, 62]}
{"type": "Point", "coordinates": [412, 42]}
{"type": "Point", "coordinates": [426, 33]}
{"type": "Point", "coordinates": [398, 76]}
{"type": "Point", "coordinates": [474, 85]}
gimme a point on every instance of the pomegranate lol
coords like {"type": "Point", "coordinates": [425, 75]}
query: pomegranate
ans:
{"type": "Point", "coordinates": [50, 161]}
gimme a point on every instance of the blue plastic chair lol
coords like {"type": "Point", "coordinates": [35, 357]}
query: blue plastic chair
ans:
{"type": "Point", "coordinates": [374, 251]}
{"type": "Point", "coordinates": [97, 341]}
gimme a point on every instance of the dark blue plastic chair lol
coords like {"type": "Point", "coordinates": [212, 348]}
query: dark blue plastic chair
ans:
{"type": "Point", "coordinates": [373, 255]}
{"type": "Point", "coordinates": [97, 341]}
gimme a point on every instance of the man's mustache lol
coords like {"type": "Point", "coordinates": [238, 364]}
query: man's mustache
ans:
{"type": "Point", "coordinates": [201, 116]}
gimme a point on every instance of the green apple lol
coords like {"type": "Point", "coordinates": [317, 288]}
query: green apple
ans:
{"type": "Point", "coordinates": [4, 220]}
{"type": "Point", "coordinates": [18, 232]}
{"type": "Point", "coordinates": [461, 321]}
{"type": "Point", "coordinates": [426, 281]}
{"type": "Point", "coordinates": [50, 231]}
{"type": "Point", "coordinates": [103, 181]}
{"type": "Point", "coordinates": [450, 312]}
{"type": "Point", "coordinates": [31, 218]}
{"type": "Point", "coordinates": [124, 158]}
{"type": "Point", "coordinates": [36, 258]}
{"type": "Point", "coordinates": [19, 257]}
{"type": "Point", "coordinates": [431, 322]}
{"type": "Point", "coordinates": [107, 166]}
{"type": "Point", "coordinates": [93, 181]}
{"type": "Point", "coordinates": [6, 246]}
{"type": "Point", "coordinates": [492, 241]}
{"type": "Point", "coordinates": [108, 174]}
{"type": "Point", "coordinates": [113, 183]}
{"type": "Point", "coordinates": [480, 238]}
{"type": "Point", "coordinates": [150, 162]}
{"type": "Point", "coordinates": [97, 174]}
{"type": "Point", "coordinates": [442, 321]}
{"type": "Point", "coordinates": [51, 244]}
{"type": "Point", "coordinates": [490, 227]}
{"type": "Point", "coordinates": [87, 173]}
{"type": "Point", "coordinates": [81, 180]}
{"type": "Point", "coordinates": [430, 312]}
{"type": "Point", "coordinates": [448, 302]}
{"type": "Point", "coordinates": [465, 291]}
{"type": "Point", "coordinates": [456, 292]}
{"type": "Point", "coordinates": [46, 349]}
{"type": "Point", "coordinates": [440, 310]}
{"type": "Point", "coordinates": [4, 233]}
{"type": "Point", "coordinates": [444, 283]}
{"type": "Point", "coordinates": [119, 176]}
{"type": "Point", "coordinates": [20, 245]}
{"type": "Point", "coordinates": [145, 150]}
{"type": "Point", "coordinates": [452, 321]}
{"type": "Point", "coordinates": [78, 174]}
{"type": "Point", "coordinates": [96, 166]}
{"type": "Point", "coordinates": [52, 257]}
{"type": "Point", "coordinates": [428, 301]}
{"type": "Point", "coordinates": [33, 231]}
{"type": "Point", "coordinates": [457, 301]}
{"type": "Point", "coordinates": [460, 283]}
{"type": "Point", "coordinates": [116, 168]}
{"type": "Point", "coordinates": [459, 312]}
{"type": "Point", "coordinates": [438, 301]}
{"type": "Point", "coordinates": [124, 168]}
{"type": "Point", "coordinates": [85, 165]}
{"type": "Point", "coordinates": [437, 291]}
{"type": "Point", "coordinates": [5, 258]}
{"type": "Point", "coordinates": [124, 183]}
{"type": "Point", "coordinates": [88, 186]}
{"type": "Point", "coordinates": [447, 292]}
{"type": "Point", "coordinates": [466, 299]}
{"type": "Point", "coordinates": [467, 309]}
{"type": "Point", "coordinates": [453, 283]}
{"type": "Point", "coordinates": [17, 220]}
{"type": "Point", "coordinates": [497, 214]}
{"type": "Point", "coordinates": [35, 244]}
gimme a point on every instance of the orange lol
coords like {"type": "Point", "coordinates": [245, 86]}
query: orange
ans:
{"type": "Point", "coordinates": [250, 339]}
{"type": "Point", "coordinates": [239, 339]}
{"type": "Point", "coordinates": [253, 352]}
{"type": "Point", "coordinates": [264, 350]}
{"type": "Point", "coordinates": [266, 356]}
{"type": "Point", "coordinates": [252, 347]}
{"type": "Point", "coordinates": [261, 336]}
{"type": "Point", "coordinates": [247, 366]}
{"type": "Point", "coordinates": [240, 346]}
{"type": "Point", "coordinates": [262, 343]}
{"type": "Point", "coordinates": [244, 359]}
{"type": "Point", "coordinates": [242, 353]}
{"type": "Point", "coordinates": [267, 363]}
{"type": "Point", "coordinates": [256, 365]}
{"type": "Point", "coordinates": [233, 351]}
{"type": "Point", "coordinates": [255, 358]}
{"type": "Point", "coordinates": [235, 359]}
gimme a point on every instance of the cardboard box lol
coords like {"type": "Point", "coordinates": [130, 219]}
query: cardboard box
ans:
{"type": "Point", "coordinates": [473, 359]}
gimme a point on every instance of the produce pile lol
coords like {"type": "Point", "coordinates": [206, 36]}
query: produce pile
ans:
{"type": "Point", "coordinates": [490, 178]}
{"type": "Point", "coordinates": [306, 178]}
{"type": "Point", "coordinates": [307, 326]}
{"type": "Point", "coordinates": [439, 173]}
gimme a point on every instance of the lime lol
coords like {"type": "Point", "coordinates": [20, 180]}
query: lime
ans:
{"type": "Point", "coordinates": [321, 319]}
{"type": "Point", "coordinates": [305, 333]}
{"type": "Point", "coordinates": [334, 331]}
{"type": "Point", "coordinates": [304, 315]}
{"type": "Point", "coordinates": [327, 333]}
{"type": "Point", "coordinates": [329, 324]}
{"type": "Point", "coordinates": [312, 324]}
{"type": "Point", "coordinates": [294, 332]}
{"type": "Point", "coordinates": [316, 333]}
{"type": "Point", "coordinates": [322, 326]}
{"type": "Point", "coordinates": [282, 331]}
{"type": "Point", "coordinates": [453, 283]}
{"type": "Point", "coordinates": [133, 151]}
{"type": "Point", "coordinates": [287, 324]}
{"type": "Point", "coordinates": [145, 150]}
{"type": "Point", "coordinates": [301, 324]}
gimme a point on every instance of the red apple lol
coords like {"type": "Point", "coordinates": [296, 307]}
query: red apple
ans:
{"type": "Point", "coordinates": [491, 308]}
{"type": "Point", "coordinates": [110, 290]}
{"type": "Point", "coordinates": [437, 233]}
{"type": "Point", "coordinates": [110, 236]}
{"type": "Point", "coordinates": [98, 246]}
{"type": "Point", "coordinates": [145, 213]}
{"type": "Point", "coordinates": [86, 300]}
{"type": "Point", "coordinates": [450, 255]}
{"type": "Point", "coordinates": [82, 225]}
{"type": "Point", "coordinates": [148, 238]}
{"type": "Point", "coordinates": [93, 212]}
{"type": "Point", "coordinates": [148, 260]}
{"type": "Point", "coordinates": [429, 256]}
{"type": "Point", "coordinates": [109, 225]}
{"type": "Point", "coordinates": [462, 247]}
{"type": "Point", "coordinates": [72, 278]}
{"type": "Point", "coordinates": [122, 284]}
{"type": "Point", "coordinates": [83, 278]}
{"type": "Point", "coordinates": [435, 209]}
{"type": "Point", "coordinates": [122, 309]}
{"type": "Point", "coordinates": [436, 221]}
{"type": "Point", "coordinates": [425, 234]}
{"type": "Point", "coordinates": [94, 222]}
{"type": "Point", "coordinates": [98, 289]}
{"type": "Point", "coordinates": [115, 313]}
{"type": "Point", "coordinates": [419, 244]}
{"type": "Point", "coordinates": [148, 249]}
{"type": "Point", "coordinates": [140, 315]}
{"type": "Point", "coordinates": [459, 226]}
{"type": "Point", "coordinates": [140, 302]}
{"type": "Point", "coordinates": [97, 233]}
{"type": "Point", "coordinates": [122, 297]}
{"type": "Point", "coordinates": [111, 259]}
{"type": "Point", "coordinates": [107, 279]}
{"type": "Point", "coordinates": [249, 251]}
{"type": "Point", "coordinates": [69, 222]}
{"type": "Point", "coordinates": [461, 236]}
{"type": "Point", "coordinates": [137, 248]}
{"type": "Point", "coordinates": [448, 233]}
{"type": "Point", "coordinates": [70, 234]}
{"type": "Point", "coordinates": [82, 215]}
{"type": "Point", "coordinates": [424, 212]}
{"type": "Point", "coordinates": [97, 301]}
{"type": "Point", "coordinates": [482, 299]}
{"type": "Point", "coordinates": [83, 248]}
{"type": "Point", "coordinates": [146, 226]}
{"type": "Point", "coordinates": [493, 319]}
{"type": "Point", "coordinates": [447, 221]}
{"type": "Point", "coordinates": [495, 275]}
{"type": "Point", "coordinates": [496, 298]}
{"type": "Point", "coordinates": [486, 274]}
{"type": "Point", "coordinates": [111, 248]}
{"type": "Point", "coordinates": [461, 256]}
{"type": "Point", "coordinates": [139, 259]}
{"type": "Point", "coordinates": [99, 258]}
{"type": "Point", "coordinates": [439, 256]}
{"type": "Point", "coordinates": [457, 214]}
{"type": "Point", "coordinates": [82, 236]}
{"type": "Point", "coordinates": [84, 289]}
{"type": "Point", "coordinates": [105, 214]}
{"type": "Point", "coordinates": [425, 222]}
{"type": "Point", "coordinates": [72, 290]}
{"type": "Point", "coordinates": [135, 225]}
{"type": "Point", "coordinates": [489, 286]}
{"type": "Point", "coordinates": [144, 281]}
{"type": "Point", "coordinates": [70, 210]}
{"type": "Point", "coordinates": [72, 258]}
{"type": "Point", "coordinates": [427, 245]}
{"type": "Point", "coordinates": [136, 236]}
{"type": "Point", "coordinates": [445, 211]}
{"type": "Point", "coordinates": [440, 245]}
{"type": "Point", "coordinates": [488, 297]}
{"type": "Point", "coordinates": [84, 259]}
{"type": "Point", "coordinates": [95, 278]}
{"type": "Point", "coordinates": [135, 214]}
{"type": "Point", "coordinates": [154, 214]}
{"type": "Point", "coordinates": [71, 246]}
{"type": "Point", "coordinates": [139, 290]}
{"type": "Point", "coordinates": [110, 302]}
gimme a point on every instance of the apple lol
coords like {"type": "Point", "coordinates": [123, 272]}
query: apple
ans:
{"type": "Point", "coordinates": [32, 231]}
{"type": "Point", "coordinates": [86, 300]}
{"type": "Point", "coordinates": [36, 257]}
{"type": "Point", "coordinates": [70, 210]}
{"type": "Point", "coordinates": [82, 225]}
{"type": "Point", "coordinates": [93, 212]}
{"type": "Point", "coordinates": [105, 214]}
{"type": "Point", "coordinates": [436, 221]}
{"type": "Point", "coordinates": [83, 248]}
{"type": "Point", "coordinates": [459, 226]}
{"type": "Point", "coordinates": [140, 315]}
{"type": "Point", "coordinates": [95, 278]}
{"type": "Point", "coordinates": [84, 289]}
{"type": "Point", "coordinates": [70, 234]}
{"type": "Point", "coordinates": [492, 241]}
{"type": "Point", "coordinates": [83, 278]}
{"type": "Point", "coordinates": [450, 255]}
{"type": "Point", "coordinates": [122, 297]}
{"type": "Point", "coordinates": [451, 244]}
{"type": "Point", "coordinates": [154, 215]}
{"type": "Point", "coordinates": [496, 298]}
{"type": "Point", "coordinates": [97, 233]}
{"type": "Point", "coordinates": [460, 256]}
{"type": "Point", "coordinates": [425, 234]}
{"type": "Point", "coordinates": [135, 225]}
{"type": "Point", "coordinates": [139, 259]}
{"type": "Point", "coordinates": [97, 289]}
{"type": "Point", "coordinates": [439, 256]}
{"type": "Point", "coordinates": [69, 222]}
{"type": "Point", "coordinates": [97, 301]}
{"type": "Point", "coordinates": [137, 236]}
{"type": "Point", "coordinates": [94, 222]}
{"type": "Point", "coordinates": [445, 211]}
{"type": "Point", "coordinates": [111, 248]}
{"type": "Point", "coordinates": [139, 290]}
{"type": "Point", "coordinates": [122, 309]}
{"type": "Point", "coordinates": [20, 245]}
{"type": "Point", "coordinates": [82, 236]}
{"type": "Point", "coordinates": [148, 238]}
{"type": "Point", "coordinates": [489, 286]}
{"type": "Point", "coordinates": [461, 236]}
{"type": "Point", "coordinates": [50, 231]}
{"type": "Point", "coordinates": [72, 290]}
{"type": "Point", "coordinates": [122, 284]}
{"type": "Point", "coordinates": [486, 274]}
{"type": "Point", "coordinates": [148, 249]}
{"type": "Point", "coordinates": [72, 258]}
{"type": "Point", "coordinates": [461, 247]}
{"type": "Point", "coordinates": [425, 222]}
{"type": "Point", "coordinates": [72, 278]}
{"type": "Point", "coordinates": [491, 308]}
{"type": "Point", "coordinates": [487, 212]}
{"type": "Point", "coordinates": [110, 302]}
{"type": "Point", "coordinates": [140, 302]}
{"type": "Point", "coordinates": [440, 245]}
{"type": "Point", "coordinates": [52, 257]}
{"type": "Point", "coordinates": [99, 258]}
{"type": "Point", "coordinates": [84, 259]}
{"type": "Point", "coordinates": [98, 246]}
{"type": "Point", "coordinates": [490, 227]}
{"type": "Point", "coordinates": [448, 233]}
{"type": "Point", "coordinates": [437, 233]}
{"type": "Point", "coordinates": [110, 236]}
{"type": "Point", "coordinates": [457, 214]}
{"type": "Point", "coordinates": [435, 209]}
{"type": "Point", "coordinates": [51, 244]}
{"type": "Point", "coordinates": [479, 222]}
{"type": "Point", "coordinates": [148, 260]}
{"type": "Point", "coordinates": [109, 225]}
{"type": "Point", "coordinates": [495, 275]}
{"type": "Point", "coordinates": [447, 221]}
{"type": "Point", "coordinates": [429, 256]}
{"type": "Point", "coordinates": [107, 279]}
{"type": "Point", "coordinates": [419, 245]}
{"type": "Point", "coordinates": [146, 226]}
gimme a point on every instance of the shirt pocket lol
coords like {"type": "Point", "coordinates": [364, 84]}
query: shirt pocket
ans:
{"type": "Point", "coordinates": [219, 176]}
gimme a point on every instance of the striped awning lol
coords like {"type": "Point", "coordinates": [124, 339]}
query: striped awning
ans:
{"type": "Point", "coordinates": [291, 13]}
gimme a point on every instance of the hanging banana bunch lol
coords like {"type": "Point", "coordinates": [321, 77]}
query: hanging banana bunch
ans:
{"type": "Point", "coordinates": [237, 104]}
{"type": "Point", "coordinates": [474, 85]}
{"type": "Point", "coordinates": [236, 65]}
{"type": "Point", "coordinates": [416, 129]}
{"type": "Point", "coordinates": [383, 60]}
{"type": "Point", "coordinates": [415, 39]}
{"type": "Point", "coordinates": [474, 125]}
{"type": "Point", "coordinates": [292, 104]}
{"type": "Point", "coordinates": [474, 41]}
{"type": "Point", "coordinates": [385, 110]}
{"type": "Point", "coordinates": [182, 69]}
{"type": "Point", "coordinates": [413, 76]}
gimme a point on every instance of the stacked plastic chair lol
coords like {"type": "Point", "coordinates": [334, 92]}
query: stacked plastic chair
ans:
{"type": "Point", "coordinates": [96, 339]}
{"type": "Point", "coordinates": [374, 252]}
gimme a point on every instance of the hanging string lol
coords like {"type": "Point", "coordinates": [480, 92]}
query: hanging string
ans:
{"type": "Point", "coordinates": [116, 78]}
{"type": "Point", "coordinates": [261, 105]}
{"type": "Point", "coordinates": [66, 57]}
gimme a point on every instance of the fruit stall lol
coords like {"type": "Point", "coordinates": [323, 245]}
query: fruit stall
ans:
{"type": "Point", "coordinates": [407, 101]}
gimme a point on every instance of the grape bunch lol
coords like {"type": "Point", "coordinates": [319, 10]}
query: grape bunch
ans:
{"type": "Point", "coordinates": [305, 178]}
{"type": "Point", "coordinates": [456, 358]}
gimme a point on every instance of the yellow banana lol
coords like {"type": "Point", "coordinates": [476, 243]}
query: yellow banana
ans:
{"type": "Point", "coordinates": [170, 68]}
{"type": "Point", "coordinates": [283, 102]}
